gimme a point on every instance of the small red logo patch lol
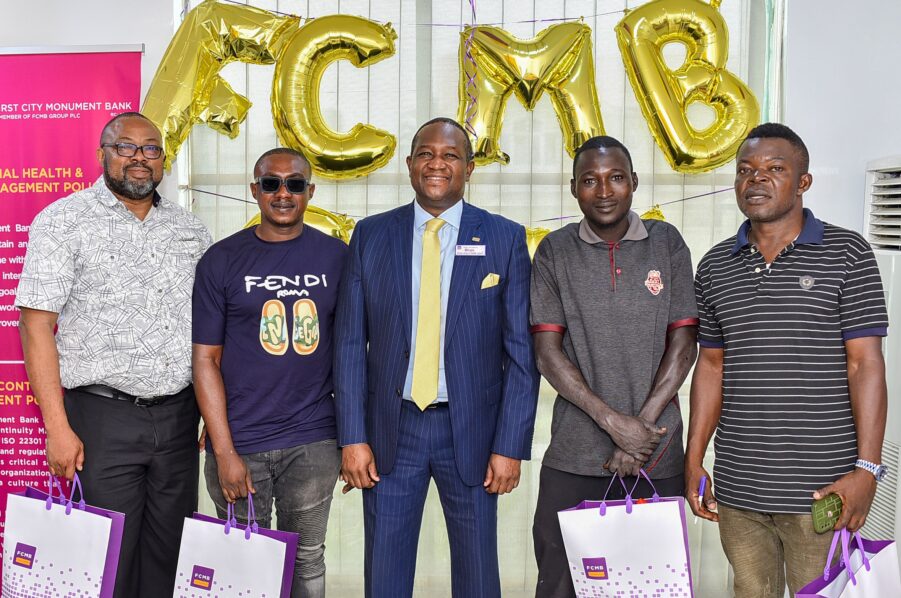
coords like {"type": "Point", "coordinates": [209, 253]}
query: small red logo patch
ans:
{"type": "Point", "coordinates": [654, 282]}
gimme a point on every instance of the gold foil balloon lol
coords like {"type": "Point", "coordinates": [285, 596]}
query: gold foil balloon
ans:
{"type": "Point", "coordinates": [664, 94]}
{"type": "Point", "coordinates": [295, 95]}
{"type": "Point", "coordinates": [559, 60]}
{"type": "Point", "coordinates": [655, 213]}
{"type": "Point", "coordinates": [187, 88]}
{"type": "Point", "coordinates": [534, 237]}
{"type": "Point", "coordinates": [335, 225]}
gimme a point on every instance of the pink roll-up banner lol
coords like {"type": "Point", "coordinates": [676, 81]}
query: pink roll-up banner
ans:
{"type": "Point", "coordinates": [52, 109]}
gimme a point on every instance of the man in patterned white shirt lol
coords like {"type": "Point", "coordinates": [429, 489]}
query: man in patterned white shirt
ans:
{"type": "Point", "coordinates": [112, 267]}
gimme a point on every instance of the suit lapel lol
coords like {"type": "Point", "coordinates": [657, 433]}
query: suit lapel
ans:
{"type": "Point", "coordinates": [402, 252]}
{"type": "Point", "coordinates": [464, 268]}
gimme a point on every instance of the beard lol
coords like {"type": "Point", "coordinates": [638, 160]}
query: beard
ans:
{"type": "Point", "coordinates": [129, 188]}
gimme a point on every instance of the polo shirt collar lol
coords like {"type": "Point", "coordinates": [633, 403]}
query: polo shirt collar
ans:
{"type": "Point", "coordinates": [811, 233]}
{"type": "Point", "coordinates": [636, 231]}
{"type": "Point", "coordinates": [452, 215]}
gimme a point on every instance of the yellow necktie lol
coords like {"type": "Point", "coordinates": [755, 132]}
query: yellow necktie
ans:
{"type": "Point", "coordinates": [425, 360]}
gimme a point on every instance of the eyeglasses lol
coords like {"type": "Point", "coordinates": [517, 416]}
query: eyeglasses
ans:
{"type": "Point", "coordinates": [271, 184]}
{"type": "Point", "coordinates": [129, 150]}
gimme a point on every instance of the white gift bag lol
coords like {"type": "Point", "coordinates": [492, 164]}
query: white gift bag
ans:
{"type": "Point", "coordinates": [868, 570]}
{"type": "Point", "coordinates": [54, 547]}
{"type": "Point", "coordinates": [224, 558]}
{"type": "Point", "coordinates": [636, 548]}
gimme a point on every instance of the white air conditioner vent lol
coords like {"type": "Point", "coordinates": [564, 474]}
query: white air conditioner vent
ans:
{"type": "Point", "coordinates": [883, 203]}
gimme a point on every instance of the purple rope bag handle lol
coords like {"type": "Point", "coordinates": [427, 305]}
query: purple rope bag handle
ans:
{"type": "Point", "coordinates": [232, 521]}
{"type": "Point", "coordinates": [602, 510]}
{"type": "Point", "coordinates": [67, 501]}
{"type": "Point", "coordinates": [844, 535]}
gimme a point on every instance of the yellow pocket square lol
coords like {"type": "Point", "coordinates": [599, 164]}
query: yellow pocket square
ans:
{"type": "Point", "coordinates": [490, 280]}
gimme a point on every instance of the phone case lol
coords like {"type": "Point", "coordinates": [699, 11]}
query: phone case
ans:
{"type": "Point", "coordinates": [826, 512]}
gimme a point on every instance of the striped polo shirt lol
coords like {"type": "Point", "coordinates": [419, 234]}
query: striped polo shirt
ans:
{"type": "Point", "coordinates": [786, 427]}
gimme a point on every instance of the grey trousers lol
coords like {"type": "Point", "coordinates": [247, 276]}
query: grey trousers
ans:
{"type": "Point", "coordinates": [300, 481]}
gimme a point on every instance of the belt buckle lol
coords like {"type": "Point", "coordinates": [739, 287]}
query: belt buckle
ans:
{"type": "Point", "coordinates": [144, 401]}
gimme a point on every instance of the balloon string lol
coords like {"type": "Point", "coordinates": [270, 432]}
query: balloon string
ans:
{"type": "Point", "coordinates": [666, 203]}
{"type": "Point", "coordinates": [471, 72]}
{"type": "Point", "coordinates": [457, 25]}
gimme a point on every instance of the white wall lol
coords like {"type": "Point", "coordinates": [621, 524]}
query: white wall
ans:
{"type": "Point", "coordinates": [842, 95]}
{"type": "Point", "coordinates": [93, 23]}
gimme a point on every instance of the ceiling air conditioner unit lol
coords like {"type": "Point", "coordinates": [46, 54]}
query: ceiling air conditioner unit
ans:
{"type": "Point", "coordinates": [882, 221]}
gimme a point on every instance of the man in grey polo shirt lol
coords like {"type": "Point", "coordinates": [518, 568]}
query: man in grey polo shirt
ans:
{"type": "Point", "coordinates": [614, 323]}
{"type": "Point", "coordinates": [113, 267]}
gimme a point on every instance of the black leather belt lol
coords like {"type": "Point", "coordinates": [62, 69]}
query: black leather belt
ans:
{"type": "Point", "coordinates": [109, 392]}
{"type": "Point", "coordinates": [436, 405]}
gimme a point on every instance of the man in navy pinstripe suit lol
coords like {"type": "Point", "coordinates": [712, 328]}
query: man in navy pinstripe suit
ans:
{"type": "Point", "coordinates": [470, 433]}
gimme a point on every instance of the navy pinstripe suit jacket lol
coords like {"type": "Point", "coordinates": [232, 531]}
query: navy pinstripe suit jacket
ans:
{"type": "Point", "coordinates": [489, 363]}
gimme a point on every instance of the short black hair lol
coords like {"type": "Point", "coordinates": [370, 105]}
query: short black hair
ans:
{"type": "Point", "coordinates": [780, 131]}
{"type": "Point", "coordinates": [602, 142]}
{"type": "Point", "coordinates": [109, 124]}
{"type": "Point", "coordinates": [470, 155]}
{"type": "Point", "coordinates": [281, 150]}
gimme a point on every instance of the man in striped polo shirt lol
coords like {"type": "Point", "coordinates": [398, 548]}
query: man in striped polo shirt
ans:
{"type": "Point", "coordinates": [790, 374]}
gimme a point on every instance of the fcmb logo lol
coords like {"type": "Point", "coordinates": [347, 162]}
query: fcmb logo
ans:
{"type": "Point", "coordinates": [595, 568]}
{"type": "Point", "coordinates": [24, 555]}
{"type": "Point", "coordinates": [202, 578]}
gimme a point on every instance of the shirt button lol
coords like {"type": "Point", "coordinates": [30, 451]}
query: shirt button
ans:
{"type": "Point", "coordinates": [757, 270]}
{"type": "Point", "coordinates": [619, 271]}
{"type": "Point", "coordinates": [161, 290]}
{"type": "Point", "coordinates": [398, 391]}
{"type": "Point", "coordinates": [753, 250]}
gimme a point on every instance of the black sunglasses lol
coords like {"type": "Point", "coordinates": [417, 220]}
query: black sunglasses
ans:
{"type": "Point", "coordinates": [271, 184]}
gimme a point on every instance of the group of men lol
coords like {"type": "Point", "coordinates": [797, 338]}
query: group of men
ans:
{"type": "Point", "coordinates": [414, 355]}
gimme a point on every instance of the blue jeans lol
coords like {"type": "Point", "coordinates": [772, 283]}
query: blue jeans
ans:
{"type": "Point", "coordinates": [301, 481]}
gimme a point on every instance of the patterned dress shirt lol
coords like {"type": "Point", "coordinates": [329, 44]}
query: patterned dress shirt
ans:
{"type": "Point", "coordinates": [121, 286]}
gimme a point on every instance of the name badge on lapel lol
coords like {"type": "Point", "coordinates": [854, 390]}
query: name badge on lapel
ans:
{"type": "Point", "coordinates": [471, 250]}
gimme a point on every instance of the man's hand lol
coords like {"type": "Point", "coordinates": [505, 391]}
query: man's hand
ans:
{"type": "Point", "coordinates": [201, 442]}
{"type": "Point", "coordinates": [234, 478]}
{"type": "Point", "coordinates": [502, 475]}
{"type": "Point", "coordinates": [635, 436]}
{"type": "Point", "coordinates": [65, 453]}
{"type": "Point", "coordinates": [856, 490]}
{"type": "Point", "coordinates": [358, 467]}
{"type": "Point", "coordinates": [623, 464]}
{"type": "Point", "coordinates": [704, 509]}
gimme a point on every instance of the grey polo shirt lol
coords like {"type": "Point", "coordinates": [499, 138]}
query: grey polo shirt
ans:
{"type": "Point", "coordinates": [614, 304]}
{"type": "Point", "coordinates": [121, 286]}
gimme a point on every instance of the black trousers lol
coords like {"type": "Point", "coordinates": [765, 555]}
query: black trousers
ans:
{"type": "Point", "coordinates": [559, 490]}
{"type": "Point", "coordinates": [143, 462]}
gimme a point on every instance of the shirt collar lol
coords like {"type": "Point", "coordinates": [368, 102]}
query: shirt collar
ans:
{"type": "Point", "coordinates": [107, 198]}
{"type": "Point", "coordinates": [451, 216]}
{"type": "Point", "coordinates": [636, 231]}
{"type": "Point", "coordinates": [811, 233]}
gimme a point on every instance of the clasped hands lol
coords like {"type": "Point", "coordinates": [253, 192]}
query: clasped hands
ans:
{"type": "Point", "coordinates": [636, 439]}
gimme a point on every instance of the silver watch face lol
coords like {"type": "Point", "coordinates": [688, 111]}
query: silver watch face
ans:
{"type": "Point", "coordinates": [880, 473]}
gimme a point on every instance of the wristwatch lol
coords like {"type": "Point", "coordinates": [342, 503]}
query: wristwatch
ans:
{"type": "Point", "coordinates": [879, 471]}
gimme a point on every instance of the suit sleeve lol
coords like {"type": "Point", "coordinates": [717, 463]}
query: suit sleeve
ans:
{"type": "Point", "coordinates": [350, 350]}
{"type": "Point", "coordinates": [513, 436]}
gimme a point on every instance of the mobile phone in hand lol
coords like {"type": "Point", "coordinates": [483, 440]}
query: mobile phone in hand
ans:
{"type": "Point", "coordinates": [826, 512]}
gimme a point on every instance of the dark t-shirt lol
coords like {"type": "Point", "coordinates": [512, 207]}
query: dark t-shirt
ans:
{"type": "Point", "coordinates": [615, 306]}
{"type": "Point", "coordinates": [272, 308]}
